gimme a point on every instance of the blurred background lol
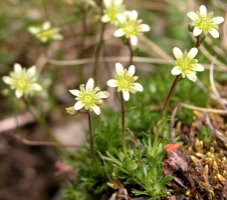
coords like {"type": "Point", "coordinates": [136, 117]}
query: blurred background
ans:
{"type": "Point", "coordinates": [35, 172]}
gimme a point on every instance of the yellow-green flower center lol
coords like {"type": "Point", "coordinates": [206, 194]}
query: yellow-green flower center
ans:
{"type": "Point", "coordinates": [112, 12]}
{"type": "Point", "coordinates": [131, 28]}
{"type": "Point", "coordinates": [48, 34]}
{"type": "Point", "coordinates": [205, 23]}
{"type": "Point", "coordinates": [21, 83]}
{"type": "Point", "coordinates": [88, 99]}
{"type": "Point", "coordinates": [125, 82]}
{"type": "Point", "coordinates": [185, 63]}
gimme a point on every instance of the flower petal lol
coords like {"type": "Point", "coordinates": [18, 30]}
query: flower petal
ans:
{"type": "Point", "coordinates": [96, 109]}
{"type": "Point", "coordinates": [193, 52]}
{"type": "Point", "coordinates": [46, 25]}
{"type": "Point", "coordinates": [31, 71]}
{"type": "Point", "coordinates": [18, 94]}
{"type": "Point", "coordinates": [107, 3]}
{"type": "Point", "coordinates": [78, 105]}
{"type": "Point", "coordinates": [119, 68]}
{"type": "Point", "coordinates": [7, 80]}
{"type": "Point", "coordinates": [36, 87]}
{"type": "Point", "coordinates": [176, 71]}
{"type": "Point", "coordinates": [218, 20]}
{"type": "Point", "coordinates": [144, 28]}
{"type": "Point", "coordinates": [197, 31]}
{"type": "Point", "coordinates": [134, 40]}
{"type": "Point", "coordinates": [118, 2]}
{"type": "Point", "coordinates": [203, 10]}
{"type": "Point", "coordinates": [133, 15]}
{"type": "Point", "coordinates": [17, 68]}
{"type": "Point", "coordinates": [112, 83]}
{"type": "Point", "coordinates": [126, 96]}
{"type": "Point", "coordinates": [44, 39]}
{"type": "Point", "coordinates": [57, 36]}
{"type": "Point", "coordinates": [192, 76]}
{"type": "Point", "coordinates": [138, 87]}
{"type": "Point", "coordinates": [214, 32]}
{"type": "Point", "coordinates": [119, 32]}
{"type": "Point", "coordinates": [105, 18]}
{"type": "Point", "coordinates": [199, 68]}
{"type": "Point", "coordinates": [103, 94]}
{"type": "Point", "coordinates": [131, 70]}
{"type": "Point", "coordinates": [33, 30]}
{"type": "Point", "coordinates": [90, 84]}
{"type": "Point", "coordinates": [121, 17]}
{"type": "Point", "coordinates": [75, 92]}
{"type": "Point", "coordinates": [192, 15]}
{"type": "Point", "coordinates": [177, 52]}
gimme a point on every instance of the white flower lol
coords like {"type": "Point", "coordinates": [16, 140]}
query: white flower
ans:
{"type": "Point", "coordinates": [130, 26]}
{"type": "Point", "coordinates": [185, 64]}
{"type": "Point", "coordinates": [111, 10]}
{"type": "Point", "coordinates": [205, 22]}
{"type": "Point", "coordinates": [89, 97]}
{"type": "Point", "coordinates": [45, 32]}
{"type": "Point", "coordinates": [23, 81]}
{"type": "Point", "coordinates": [125, 81]}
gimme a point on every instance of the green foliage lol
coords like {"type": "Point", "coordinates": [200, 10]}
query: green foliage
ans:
{"type": "Point", "coordinates": [91, 182]}
{"type": "Point", "coordinates": [108, 131]}
{"type": "Point", "coordinates": [204, 135]}
{"type": "Point", "coordinates": [91, 178]}
{"type": "Point", "coordinates": [71, 194]}
{"type": "Point", "coordinates": [142, 169]}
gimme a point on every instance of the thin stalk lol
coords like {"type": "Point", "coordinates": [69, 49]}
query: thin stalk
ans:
{"type": "Point", "coordinates": [15, 111]}
{"type": "Point", "coordinates": [197, 44]}
{"type": "Point", "coordinates": [91, 134]}
{"type": "Point", "coordinates": [170, 94]}
{"type": "Point", "coordinates": [99, 45]}
{"type": "Point", "coordinates": [122, 102]}
{"type": "Point", "coordinates": [84, 24]}
{"type": "Point", "coordinates": [123, 122]}
{"type": "Point", "coordinates": [130, 53]}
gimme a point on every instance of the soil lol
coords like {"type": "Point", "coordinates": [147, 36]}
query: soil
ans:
{"type": "Point", "coordinates": [27, 172]}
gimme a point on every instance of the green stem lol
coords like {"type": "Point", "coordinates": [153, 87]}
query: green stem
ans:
{"type": "Point", "coordinates": [15, 111]}
{"type": "Point", "coordinates": [123, 122]}
{"type": "Point", "coordinates": [91, 133]}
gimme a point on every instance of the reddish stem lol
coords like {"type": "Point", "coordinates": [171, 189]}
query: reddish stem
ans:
{"type": "Point", "coordinates": [170, 94]}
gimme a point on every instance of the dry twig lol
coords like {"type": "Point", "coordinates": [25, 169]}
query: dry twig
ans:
{"type": "Point", "coordinates": [108, 59]}
{"type": "Point", "coordinates": [216, 95]}
{"type": "Point", "coordinates": [172, 122]}
{"type": "Point", "coordinates": [208, 110]}
{"type": "Point", "coordinates": [42, 143]}
{"type": "Point", "coordinates": [214, 132]}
